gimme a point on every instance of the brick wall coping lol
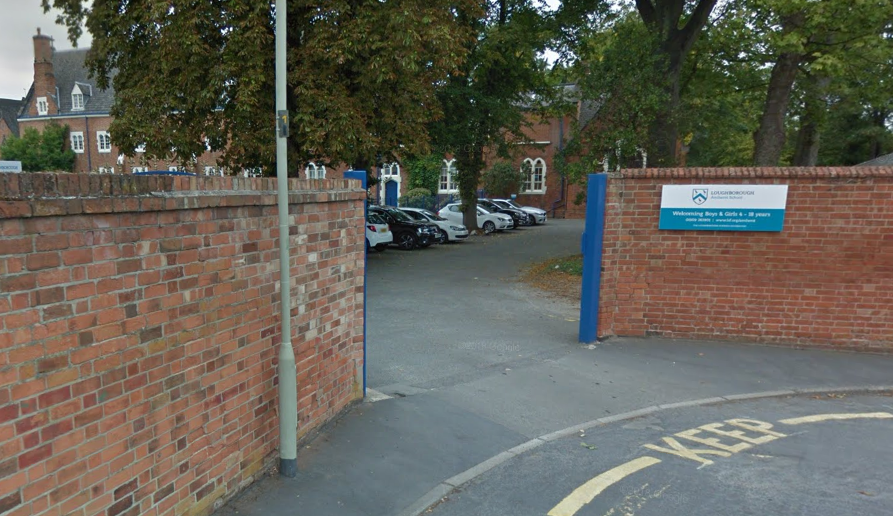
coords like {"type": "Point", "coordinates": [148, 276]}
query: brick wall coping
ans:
{"type": "Point", "coordinates": [885, 172]}
{"type": "Point", "coordinates": [29, 195]}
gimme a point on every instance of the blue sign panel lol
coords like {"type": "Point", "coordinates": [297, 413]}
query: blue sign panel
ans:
{"type": "Point", "coordinates": [723, 207]}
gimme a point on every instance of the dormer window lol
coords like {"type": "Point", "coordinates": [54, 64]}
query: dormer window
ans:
{"type": "Point", "coordinates": [78, 102]}
{"type": "Point", "coordinates": [42, 107]}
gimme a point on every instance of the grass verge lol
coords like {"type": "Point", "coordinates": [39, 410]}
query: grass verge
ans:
{"type": "Point", "coordinates": [562, 277]}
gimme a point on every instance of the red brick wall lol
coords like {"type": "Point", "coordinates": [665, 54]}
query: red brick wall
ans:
{"type": "Point", "coordinates": [825, 280]}
{"type": "Point", "coordinates": [139, 333]}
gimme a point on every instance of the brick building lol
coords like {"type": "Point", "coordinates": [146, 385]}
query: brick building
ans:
{"type": "Point", "coordinates": [9, 111]}
{"type": "Point", "coordinates": [63, 92]}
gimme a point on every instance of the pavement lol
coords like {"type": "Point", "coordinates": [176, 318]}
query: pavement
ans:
{"type": "Point", "coordinates": [483, 390]}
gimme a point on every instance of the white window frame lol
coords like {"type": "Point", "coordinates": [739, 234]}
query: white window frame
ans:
{"type": "Point", "coordinates": [211, 171]}
{"type": "Point", "coordinates": [77, 99]}
{"type": "Point", "coordinates": [106, 170]}
{"type": "Point", "coordinates": [532, 184]}
{"type": "Point", "coordinates": [314, 171]}
{"type": "Point", "coordinates": [175, 168]}
{"type": "Point", "coordinates": [77, 142]}
{"type": "Point", "coordinates": [141, 148]}
{"type": "Point", "coordinates": [103, 137]}
{"type": "Point", "coordinates": [447, 183]}
{"type": "Point", "coordinates": [390, 169]}
{"type": "Point", "coordinates": [43, 108]}
{"type": "Point", "coordinates": [134, 170]}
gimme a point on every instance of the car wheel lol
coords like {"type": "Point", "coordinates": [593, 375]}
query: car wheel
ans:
{"type": "Point", "coordinates": [489, 227]}
{"type": "Point", "coordinates": [381, 248]}
{"type": "Point", "coordinates": [444, 236]}
{"type": "Point", "coordinates": [406, 241]}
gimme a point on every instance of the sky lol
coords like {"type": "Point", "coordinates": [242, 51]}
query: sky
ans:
{"type": "Point", "coordinates": [18, 25]}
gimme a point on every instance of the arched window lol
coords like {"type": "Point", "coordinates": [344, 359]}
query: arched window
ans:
{"type": "Point", "coordinates": [390, 169]}
{"type": "Point", "coordinates": [535, 175]}
{"type": "Point", "coordinates": [448, 177]}
{"type": "Point", "coordinates": [314, 171]}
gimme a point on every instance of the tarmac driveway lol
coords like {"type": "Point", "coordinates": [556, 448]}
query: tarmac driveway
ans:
{"type": "Point", "coordinates": [472, 363]}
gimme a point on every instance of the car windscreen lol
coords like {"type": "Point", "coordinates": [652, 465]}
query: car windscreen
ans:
{"type": "Point", "coordinates": [488, 205]}
{"type": "Point", "coordinates": [482, 211]}
{"type": "Point", "coordinates": [513, 204]}
{"type": "Point", "coordinates": [399, 215]}
{"type": "Point", "coordinates": [433, 216]}
{"type": "Point", "coordinates": [502, 204]}
{"type": "Point", "coordinates": [414, 215]}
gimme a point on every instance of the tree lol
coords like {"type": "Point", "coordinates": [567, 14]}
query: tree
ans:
{"type": "Point", "coordinates": [361, 81]}
{"type": "Point", "coordinates": [503, 179]}
{"type": "Point", "coordinates": [488, 100]}
{"type": "Point", "coordinates": [676, 29]}
{"type": "Point", "coordinates": [814, 38]}
{"type": "Point", "coordinates": [618, 81]}
{"type": "Point", "coordinates": [40, 152]}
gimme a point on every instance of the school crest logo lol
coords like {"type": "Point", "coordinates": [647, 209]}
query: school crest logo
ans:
{"type": "Point", "coordinates": [699, 195]}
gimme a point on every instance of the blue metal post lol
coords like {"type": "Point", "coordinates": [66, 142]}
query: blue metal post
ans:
{"type": "Point", "coordinates": [592, 243]}
{"type": "Point", "coordinates": [361, 175]}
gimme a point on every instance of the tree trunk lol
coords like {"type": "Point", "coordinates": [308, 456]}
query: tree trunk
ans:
{"type": "Point", "coordinates": [879, 118]}
{"type": "Point", "coordinates": [664, 17]}
{"type": "Point", "coordinates": [770, 137]}
{"type": "Point", "coordinates": [469, 166]}
{"type": "Point", "coordinates": [806, 153]}
{"type": "Point", "coordinates": [664, 132]}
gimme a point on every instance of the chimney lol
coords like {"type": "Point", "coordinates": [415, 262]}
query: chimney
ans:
{"type": "Point", "coordinates": [44, 79]}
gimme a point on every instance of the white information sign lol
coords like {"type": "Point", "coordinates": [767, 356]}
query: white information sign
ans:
{"type": "Point", "coordinates": [10, 166]}
{"type": "Point", "coordinates": [723, 207]}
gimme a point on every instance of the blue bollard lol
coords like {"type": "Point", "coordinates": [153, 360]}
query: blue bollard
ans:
{"type": "Point", "coordinates": [591, 244]}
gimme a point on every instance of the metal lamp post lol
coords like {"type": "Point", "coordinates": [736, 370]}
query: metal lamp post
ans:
{"type": "Point", "coordinates": [288, 395]}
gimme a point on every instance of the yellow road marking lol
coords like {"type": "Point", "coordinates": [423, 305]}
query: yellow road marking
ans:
{"type": "Point", "coordinates": [588, 491]}
{"type": "Point", "coordinates": [835, 417]}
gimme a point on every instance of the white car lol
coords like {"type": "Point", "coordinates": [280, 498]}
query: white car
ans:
{"type": "Point", "coordinates": [539, 216]}
{"type": "Point", "coordinates": [449, 230]}
{"type": "Point", "coordinates": [378, 233]}
{"type": "Point", "coordinates": [487, 221]}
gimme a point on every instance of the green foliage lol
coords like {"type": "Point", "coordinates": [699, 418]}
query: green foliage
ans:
{"type": "Point", "coordinates": [418, 192]}
{"type": "Point", "coordinates": [361, 75]}
{"type": "Point", "coordinates": [831, 43]}
{"type": "Point", "coordinates": [418, 198]}
{"type": "Point", "coordinates": [424, 172]}
{"type": "Point", "coordinates": [619, 78]}
{"type": "Point", "coordinates": [503, 179]}
{"type": "Point", "coordinates": [40, 152]}
{"type": "Point", "coordinates": [487, 102]}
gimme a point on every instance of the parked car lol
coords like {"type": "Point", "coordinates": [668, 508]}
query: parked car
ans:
{"type": "Point", "coordinates": [408, 233]}
{"type": "Point", "coordinates": [487, 221]}
{"type": "Point", "coordinates": [378, 233]}
{"type": "Point", "coordinates": [519, 217]}
{"type": "Point", "coordinates": [539, 216]}
{"type": "Point", "coordinates": [450, 231]}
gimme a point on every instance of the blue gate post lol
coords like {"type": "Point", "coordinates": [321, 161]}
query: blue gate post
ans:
{"type": "Point", "coordinates": [592, 244]}
{"type": "Point", "coordinates": [361, 175]}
